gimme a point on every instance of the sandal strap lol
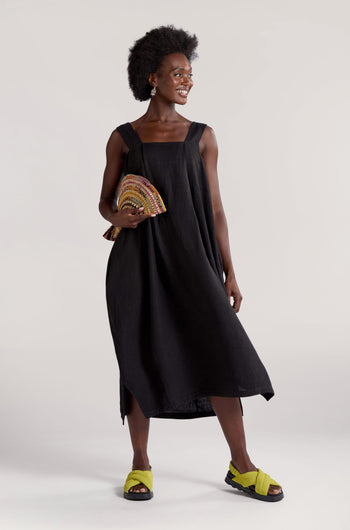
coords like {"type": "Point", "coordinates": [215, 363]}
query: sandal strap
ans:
{"type": "Point", "coordinates": [263, 481]}
{"type": "Point", "coordinates": [245, 479]}
{"type": "Point", "coordinates": [259, 479]}
{"type": "Point", "coordinates": [137, 476]}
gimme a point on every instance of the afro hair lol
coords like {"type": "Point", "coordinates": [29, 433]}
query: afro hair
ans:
{"type": "Point", "coordinates": [147, 53]}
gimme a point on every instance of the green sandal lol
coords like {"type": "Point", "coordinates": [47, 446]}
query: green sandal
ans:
{"type": "Point", "coordinates": [256, 483]}
{"type": "Point", "coordinates": [137, 476]}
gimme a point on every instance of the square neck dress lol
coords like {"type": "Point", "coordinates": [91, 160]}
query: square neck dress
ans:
{"type": "Point", "coordinates": [176, 336]}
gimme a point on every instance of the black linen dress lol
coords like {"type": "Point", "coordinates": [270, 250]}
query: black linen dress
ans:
{"type": "Point", "coordinates": [177, 338]}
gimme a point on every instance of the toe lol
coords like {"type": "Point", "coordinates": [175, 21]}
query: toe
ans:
{"type": "Point", "coordinates": [273, 490]}
{"type": "Point", "coordinates": [138, 488]}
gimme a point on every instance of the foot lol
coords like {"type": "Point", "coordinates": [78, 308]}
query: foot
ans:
{"type": "Point", "coordinates": [140, 487]}
{"type": "Point", "coordinates": [244, 467]}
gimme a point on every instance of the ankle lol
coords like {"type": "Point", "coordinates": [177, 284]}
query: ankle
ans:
{"type": "Point", "coordinates": [141, 462]}
{"type": "Point", "coordinates": [242, 462]}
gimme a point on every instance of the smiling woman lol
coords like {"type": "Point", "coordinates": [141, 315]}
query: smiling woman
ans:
{"type": "Point", "coordinates": [177, 71]}
{"type": "Point", "coordinates": [171, 84]}
{"type": "Point", "coordinates": [181, 349]}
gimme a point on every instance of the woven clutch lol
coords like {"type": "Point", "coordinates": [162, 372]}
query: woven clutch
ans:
{"type": "Point", "coordinates": [135, 191]}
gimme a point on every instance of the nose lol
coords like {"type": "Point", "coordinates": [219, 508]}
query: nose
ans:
{"type": "Point", "coordinates": [188, 80]}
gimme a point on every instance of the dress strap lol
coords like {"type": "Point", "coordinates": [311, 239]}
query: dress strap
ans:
{"type": "Point", "coordinates": [128, 134]}
{"type": "Point", "coordinates": [195, 131]}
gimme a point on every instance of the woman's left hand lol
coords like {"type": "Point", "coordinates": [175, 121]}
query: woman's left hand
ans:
{"type": "Point", "coordinates": [232, 289]}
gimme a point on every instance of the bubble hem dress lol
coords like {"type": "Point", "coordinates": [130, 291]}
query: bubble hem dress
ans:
{"type": "Point", "coordinates": [177, 338]}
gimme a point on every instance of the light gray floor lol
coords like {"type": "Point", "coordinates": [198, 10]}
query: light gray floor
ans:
{"type": "Point", "coordinates": [73, 484]}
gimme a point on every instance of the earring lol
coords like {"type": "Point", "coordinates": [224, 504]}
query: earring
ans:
{"type": "Point", "coordinates": [153, 91]}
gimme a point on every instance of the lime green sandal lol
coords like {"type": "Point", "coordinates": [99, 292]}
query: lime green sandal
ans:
{"type": "Point", "coordinates": [137, 476]}
{"type": "Point", "coordinates": [256, 483]}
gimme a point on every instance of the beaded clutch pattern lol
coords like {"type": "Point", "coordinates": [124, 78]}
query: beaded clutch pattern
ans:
{"type": "Point", "coordinates": [135, 191]}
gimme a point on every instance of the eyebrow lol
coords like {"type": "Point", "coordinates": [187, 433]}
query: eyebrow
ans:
{"type": "Point", "coordinates": [179, 68]}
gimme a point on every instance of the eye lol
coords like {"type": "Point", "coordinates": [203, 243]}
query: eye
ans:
{"type": "Point", "coordinates": [179, 73]}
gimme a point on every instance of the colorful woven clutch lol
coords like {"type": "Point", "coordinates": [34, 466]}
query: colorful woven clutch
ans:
{"type": "Point", "coordinates": [135, 191]}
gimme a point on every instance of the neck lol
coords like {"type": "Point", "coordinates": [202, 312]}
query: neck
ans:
{"type": "Point", "coordinates": [160, 110]}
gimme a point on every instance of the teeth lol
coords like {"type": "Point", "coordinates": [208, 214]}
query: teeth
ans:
{"type": "Point", "coordinates": [183, 92]}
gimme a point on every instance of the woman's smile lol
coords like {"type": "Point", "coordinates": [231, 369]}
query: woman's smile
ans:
{"type": "Point", "coordinates": [183, 92]}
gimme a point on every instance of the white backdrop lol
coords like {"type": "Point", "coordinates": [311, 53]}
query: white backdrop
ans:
{"type": "Point", "coordinates": [273, 80]}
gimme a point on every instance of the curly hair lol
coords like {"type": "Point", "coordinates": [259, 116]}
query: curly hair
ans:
{"type": "Point", "coordinates": [147, 53]}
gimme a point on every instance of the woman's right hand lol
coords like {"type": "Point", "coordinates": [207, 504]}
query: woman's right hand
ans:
{"type": "Point", "coordinates": [129, 217]}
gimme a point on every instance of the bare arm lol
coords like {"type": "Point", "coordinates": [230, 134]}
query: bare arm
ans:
{"type": "Point", "coordinates": [128, 217]}
{"type": "Point", "coordinates": [209, 150]}
{"type": "Point", "coordinates": [114, 164]}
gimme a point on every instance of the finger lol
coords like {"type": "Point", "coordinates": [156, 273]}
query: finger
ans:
{"type": "Point", "coordinates": [233, 303]}
{"type": "Point", "coordinates": [143, 216]}
{"type": "Point", "coordinates": [133, 209]}
{"type": "Point", "coordinates": [236, 306]}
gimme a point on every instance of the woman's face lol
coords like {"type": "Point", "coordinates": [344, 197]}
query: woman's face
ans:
{"type": "Point", "coordinates": [173, 79]}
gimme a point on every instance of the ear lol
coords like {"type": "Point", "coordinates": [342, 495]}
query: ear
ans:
{"type": "Point", "coordinates": [152, 79]}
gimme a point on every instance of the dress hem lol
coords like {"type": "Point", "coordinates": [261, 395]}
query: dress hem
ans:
{"type": "Point", "coordinates": [173, 414]}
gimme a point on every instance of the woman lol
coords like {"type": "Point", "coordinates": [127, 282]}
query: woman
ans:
{"type": "Point", "coordinates": [181, 349]}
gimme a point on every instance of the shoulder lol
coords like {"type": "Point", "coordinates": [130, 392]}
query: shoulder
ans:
{"type": "Point", "coordinates": [121, 129]}
{"type": "Point", "coordinates": [116, 141]}
{"type": "Point", "coordinates": [208, 138]}
{"type": "Point", "coordinates": [208, 133]}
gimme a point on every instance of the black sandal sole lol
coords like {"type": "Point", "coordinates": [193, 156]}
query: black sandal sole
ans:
{"type": "Point", "coordinates": [141, 496]}
{"type": "Point", "coordinates": [251, 491]}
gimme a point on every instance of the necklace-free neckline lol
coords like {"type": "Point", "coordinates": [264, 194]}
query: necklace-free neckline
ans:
{"type": "Point", "coordinates": [168, 142]}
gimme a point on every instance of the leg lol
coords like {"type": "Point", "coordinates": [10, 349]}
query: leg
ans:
{"type": "Point", "coordinates": [229, 414]}
{"type": "Point", "coordinates": [139, 429]}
